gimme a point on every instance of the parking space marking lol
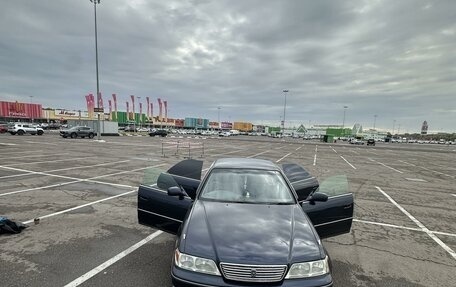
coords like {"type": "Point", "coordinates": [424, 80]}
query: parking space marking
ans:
{"type": "Point", "coordinates": [348, 162]}
{"type": "Point", "coordinates": [40, 143]}
{"type": "Point", "coordinates": [7, 144]}
{"type": "Point", "coordinates": [416, 179]}
{"type": "Point", "coordinates": [419, 224]}
{"type": "Point", "coordinates": [298, 148]}
{"type": "Point", "coordinates": [387, 166]}
{"type": "Point", "coordinates": [64, 169]}
{"type": "Point", "coordinates": [425, 168]}
{"type": "Point", "coordinates": [260, 153]}
{"type": "Point", "coordinates": [280, 159]}
{"type": "Point", "coordinates": [106, 264]}
{"type": "Point", "coordinates": [91, 179]}
{"type": "Point", "coordinates": [453, 194]}
{"type": "Point", "coordinates": [38, 155]}
{"type": "Point", "coordinates": [315, 156]}
{"type": "Point", "coordinates": [402, 227]}
{"type": "Point", "coordinates": [48, 161]}
{"type": "Point", "coordinates": [22, 152]}
{"type": "Point", "coordinates": [79, 207]}
{"type": "Point", "coordinates": [333, 149]}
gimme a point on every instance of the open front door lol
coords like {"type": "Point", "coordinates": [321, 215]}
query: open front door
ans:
{"type": "Point", "coordinates": [334, 216]}
{"type": "Point", "coordinates": [157, 209]}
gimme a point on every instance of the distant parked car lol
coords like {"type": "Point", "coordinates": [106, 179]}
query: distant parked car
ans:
{"type": "Point", "coordinates": [357, 142]}
{"type": "Point", "coordinates": [24, 128]}
{"type": "Point", "coordinates": [154, 132]}
{"type": "Point", "coordinates": [78, 131]}
{"type": "Point", "coordinates": [371, 142]}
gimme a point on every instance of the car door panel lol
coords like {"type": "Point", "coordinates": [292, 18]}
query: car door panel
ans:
{"type": "Point", "coordinates": [333, 217]}
{"type": "Point", "coordinates": [157, 209]}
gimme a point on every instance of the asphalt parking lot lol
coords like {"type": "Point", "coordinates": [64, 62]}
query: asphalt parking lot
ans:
{"type": "Point", "coordinates": [84, 192]}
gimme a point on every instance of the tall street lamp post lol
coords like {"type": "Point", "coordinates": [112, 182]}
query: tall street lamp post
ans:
{"type": "Point", "coordinates": [343, 121]}
{"type": "Point", "coordinates": [219, 123]}
{"type": "Point", "coordinates": [140, 114]}
{"type": "Point", "coordinates": [95, 2]}
{"type": "Point", "coordinates": [284, 109]}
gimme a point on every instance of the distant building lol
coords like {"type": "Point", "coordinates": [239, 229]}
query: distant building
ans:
{"type": "Point", "coordinates": [243, 127]}
{"type": "Point", "coordinates": [424, 128]}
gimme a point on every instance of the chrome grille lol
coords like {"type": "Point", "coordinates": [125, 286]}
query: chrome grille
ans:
{"type": "Point", "coordinates": [253, 273]}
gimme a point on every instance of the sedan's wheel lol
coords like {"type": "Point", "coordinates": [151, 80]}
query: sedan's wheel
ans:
{"type": "Point", "coordinates": [65, 136]}
{"type": "Point", "coordinates": [91, 136]}
{"type": "Point", "coordinates": [12, 133]}
{"type": "Point", "coordinates": [74, 135]}
{"type": "Point", "coordinates": [20, 132]}
{"type": "Point", "coordinates": [40, 133]}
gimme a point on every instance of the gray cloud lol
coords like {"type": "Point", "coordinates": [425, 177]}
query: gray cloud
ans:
{"type": "Point", "coordinates": [390, 58]}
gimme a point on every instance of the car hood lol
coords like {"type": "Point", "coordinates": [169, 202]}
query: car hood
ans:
{"type": "Point", "coordinates": [250, 233]}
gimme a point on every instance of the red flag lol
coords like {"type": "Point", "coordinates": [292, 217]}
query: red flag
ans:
{"type": "Point", "coordinates": [166, 109]}
{"type": "Point", "coordinates": [100, 101]}
{"type": "Point", "coordinates": [128, 111]}
{"type": "Point", "coordinates": [88, 102]}
{"type": "Point", "coordinates": [148, 106]}
{"type": "Point", "coordinates": [114, 98]}
{"type": "Point", "coordinates": [110, 106]}
{"type": "Point", "coordinates": [159, 108]}
{"type": "Point", "coordinates": [133, 103]}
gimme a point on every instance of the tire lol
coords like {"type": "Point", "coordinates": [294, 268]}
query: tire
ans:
{"type": "Point", "coordinates": [40, 133]}
{"type": "Point", "coordinates": [64, 136]}
{"type": "Point", "coordinates": [20, 132]}
{"type": "Point", "coordinates": [74, 135]}
{"type": "Point", "coordinates": [91, 136]}
{"type": "Point", "coordinates": [12, 133]}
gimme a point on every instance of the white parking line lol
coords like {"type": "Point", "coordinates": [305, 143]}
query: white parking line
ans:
{"type": "Point", "coordinates": [47, 161]}
{"type": "Point", "coordinates": [453, 194]}
{"type": "Point", "coordinates": [260, 153]}
{"type": "Point", "coordinates": [63, 169]}
{"type": "Point", "coordinates": [348, 162]}
{"type": "Point", "coordinates": [298, 148]}
{"type": "Point", "coordinates": [91, 179]}
{"type": "Point", "coordinates": [40, 143]}
{"type": "Point", "coordinates": [420, 225]}
{"type": "Point", "coordinates": [402, 227]}
{"type": "Point", "coordinates": [333, 149]}
{"type": "Point", "coordinates": [106, 264]}
{"type": "Point", "coordinates": [392, 168]}
{"type": "Point", "coordinates": [79, 206]}
{"type": "Point", "coordinates": [425, 168]}
{"type": "Point", "coordinates": [22, 152]}
{"type": "Point", "coordinates": [37, 155]}
{"type": "Point", "coordinates": [8, 144]}
{"type": "Point", "coordinates": [280, 159]}
{"type": "Point", "coordinates": [315, 159]}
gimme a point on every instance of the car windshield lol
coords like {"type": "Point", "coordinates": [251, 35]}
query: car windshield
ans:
{"type": "Point", "coordinates": [247, 186]}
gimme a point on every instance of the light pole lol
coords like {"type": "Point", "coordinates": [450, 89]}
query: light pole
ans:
{"type": "Point", "coordinates": [140, 112]}
{"type": "Point", "coordinates": [375, 120]}
{"type": "Point", "coordinates": [343, 121]}
{"type": "Point", "coordinates": [284, 109]}
{"type": "Point", "coordinates": [219, 123]}
{"type": "Point", "coordinates": [31, 102]}
{"type": "Point", "coordinates": [95, 2]}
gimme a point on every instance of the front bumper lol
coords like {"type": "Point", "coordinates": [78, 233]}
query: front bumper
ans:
{"type": "Point", "coordinates": [184, 278]}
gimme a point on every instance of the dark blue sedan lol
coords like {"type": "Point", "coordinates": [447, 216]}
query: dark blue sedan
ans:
{"type": "Point", "coordinates": [248, 221]}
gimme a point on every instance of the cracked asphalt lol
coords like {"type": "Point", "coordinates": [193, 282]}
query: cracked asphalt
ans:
{"type": "Point", "coordinates": [85, 194]}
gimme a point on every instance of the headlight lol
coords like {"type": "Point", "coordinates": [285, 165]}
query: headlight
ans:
{"type": "Point", "coordinates": [196, 264]}
{"type": "Point", "coordinates": [308, 269]}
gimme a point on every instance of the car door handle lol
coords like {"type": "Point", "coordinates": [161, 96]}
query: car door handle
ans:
{"type": "Point", "coordinates": [348, 206]}
{"type": "Point", "coordinates": [143, 198]}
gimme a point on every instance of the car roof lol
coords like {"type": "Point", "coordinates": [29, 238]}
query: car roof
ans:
{"type": "Point", "coordinates": [245, 163]}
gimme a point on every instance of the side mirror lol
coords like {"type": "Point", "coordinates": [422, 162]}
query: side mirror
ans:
{"type": "Point", "coordinates": [318, 196]}
{"type": "Point", "coordinates": [177, 191]}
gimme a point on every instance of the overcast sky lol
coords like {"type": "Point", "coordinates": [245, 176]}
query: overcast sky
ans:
{"type": "Point", "coordinates": [394, 59]}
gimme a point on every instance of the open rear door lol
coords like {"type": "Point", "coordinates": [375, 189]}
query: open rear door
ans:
{"type": "Point", "coordinates": [334, 216]}
{"type": "Point", "coordinates": [155, 207]}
